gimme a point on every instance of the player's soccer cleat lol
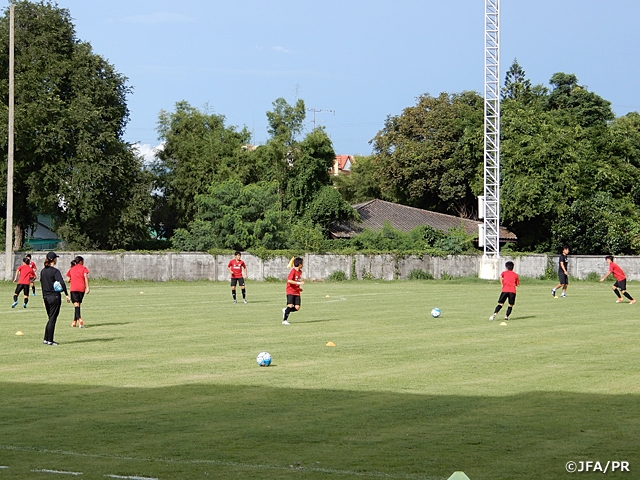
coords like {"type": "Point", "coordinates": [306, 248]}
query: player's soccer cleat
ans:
{"type": "Point", "coordinates": [73, 324]}
{"type": "Point", "coordinates": [44, 342]}
{"type": "Point", "coordinates": [244, 300]}
{"type": "Point", "coordinates": [285, 322]}
{"type": "Point", "coordinates": [619, 300]}
{"type": "Point", "coordinates": [80, 323]}
{"type": "Point", "coordinates": [564, 295]}
{"type": "Point", "coordinates": [235, 301]}
{"type": "Point", "coordinates": [632, 301]}
{"type": "Point", "coordinates": [492, 317]}
{"type": "Point", "coordinates": [53, 344]}
{"type": "Point", "coordinates": [24, 305]}
{"type": "Point", "coordinates": [506, 318]}
{"type": "Point", "coordinates": [13, 305]}
{"type": "Point", "coordinates": [33, 294]}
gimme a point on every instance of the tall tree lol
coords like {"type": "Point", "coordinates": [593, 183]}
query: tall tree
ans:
{"type": "Point", "coordinates": [198, 151]}
{"type": "Point", "coordinates": [71, 112]}
{"type": "Point", "coordinates": [516, 83]}
{"type": "Point", "coordinates": [429, 156]}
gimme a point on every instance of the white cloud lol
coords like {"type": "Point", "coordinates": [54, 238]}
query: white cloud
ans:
{"type": "Point", "coordinates": [158, 17]}
{"type": "Point", "coordinates": [147, 151]}
{"type": "Point", "coordinates": [280, 50]}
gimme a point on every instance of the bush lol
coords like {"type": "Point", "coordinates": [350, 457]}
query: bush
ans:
{"type": "Point", "coordinates": [419, 274]}
{"type": "Point", "coordinates": [592, 277]}
{"type": "Point", "coordinates": [337, 276]}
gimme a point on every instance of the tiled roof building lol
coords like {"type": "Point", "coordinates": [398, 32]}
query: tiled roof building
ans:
{"type": "Point", "coordinates": [375, 212]}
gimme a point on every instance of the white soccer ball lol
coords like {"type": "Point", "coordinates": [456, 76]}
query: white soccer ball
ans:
{"type": "Point", "coordinates": [435, 313]}
{"type": "Point", "coordinates": [264, 359]}
{"type": "Point", "coordinates": [57, 286]}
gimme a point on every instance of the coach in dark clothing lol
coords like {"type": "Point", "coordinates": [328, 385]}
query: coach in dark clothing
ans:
{"type": "Point", "coordinates": [49, 275]}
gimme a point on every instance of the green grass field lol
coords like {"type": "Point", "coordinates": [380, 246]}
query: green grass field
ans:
{"type": "Point", "coordinates": [163, 383]}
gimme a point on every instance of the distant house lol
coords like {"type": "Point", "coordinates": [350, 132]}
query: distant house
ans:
{"type": "Point", "coordinates": [375, 212]}
{"type": "Point", "coordinates": [342, 164]}
{"type": "Point", "coordinates": [42, 237]}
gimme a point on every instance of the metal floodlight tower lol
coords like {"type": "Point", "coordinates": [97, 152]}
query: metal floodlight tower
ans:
{"type": "Point", "coordinates": [492, 129]}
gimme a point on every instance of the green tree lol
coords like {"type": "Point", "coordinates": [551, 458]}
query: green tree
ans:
{"type": "Point", "coordinates": [71, 112]}
{"type": "Point", "coordinates": [198, 151]}
{"type": "Point", "coordinates": [286, 121]}
{"type": "Point", "coordinates": [236, 216]}
{"type": "Point", "coordinates": [430, 155]}
{"type": "Point", "coordinates": [600, 225]}
{"type": "Point", "coordinates": [362, 183]}
{"type": "Point", "coordinates": [516, 84]}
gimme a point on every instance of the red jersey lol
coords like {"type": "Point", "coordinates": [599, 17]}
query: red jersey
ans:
{"type": "Point", "coordinates": [76, 274]}
{"type": "Point", "coordinates": [26, 274]}
{"type": "Point", "coordinates": [617, 271]}
{"type": "Point", "coordinates": [296, 276]}
{"type": "Point", "coordinates": [236, 267]}
{"type": "Point", "coordinates": [510, 281]}
{"type": "Point", "coordinates": [32, 264]}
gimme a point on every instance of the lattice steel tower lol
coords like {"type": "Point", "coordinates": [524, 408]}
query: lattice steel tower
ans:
{"type": "Point", "coordinates": [492, 129]}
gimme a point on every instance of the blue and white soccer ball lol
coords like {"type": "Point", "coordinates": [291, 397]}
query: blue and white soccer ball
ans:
{"type": "Point", "coordinates": [264, 359]}
{"type": "Point", "coordinates": [435, 313]}
{"type": "Point", "coordinates": [57, 286]}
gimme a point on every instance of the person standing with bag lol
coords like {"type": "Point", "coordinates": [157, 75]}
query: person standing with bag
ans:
{"type": "Point", "coordinates": [52, 284]}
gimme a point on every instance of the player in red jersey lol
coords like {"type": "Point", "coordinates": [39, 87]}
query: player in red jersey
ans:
{"type": "Point", "coordinates": [509, 281]}
{"type": "Point", "coordinates": [23, 277]}
{"type": "Point", "coordinates": [294, 282]}
{"type": "Point", "coordinates": [78, 278]}
{"type": "Point", "coordinates": [236, 266]}
{"type": "Point", "coordinates": [33, 266]}
{"type": "Point", "coordinates": [621, 280]}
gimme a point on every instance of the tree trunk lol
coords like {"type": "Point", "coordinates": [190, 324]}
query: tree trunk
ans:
{"type": "Point", "coordinates": [18, 237]}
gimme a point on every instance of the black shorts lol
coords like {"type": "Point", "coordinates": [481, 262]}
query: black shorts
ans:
{"type": "Point", "coordinates": [239, 281]}
{"type": "Point", "coordinates": [21, 287]}
{"type": "Point", "coordinates": [77, 297]}
{"type": "Point", "coordinates": [621, 284]}
{"type": "Point", "coordinates": [562, 278]}
{"type": "Point", "coordinates": [293, 299]}
{"type": "Point", "coordinates": [507, 295]}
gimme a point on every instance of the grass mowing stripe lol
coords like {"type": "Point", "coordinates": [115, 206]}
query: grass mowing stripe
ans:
{"type": "Point", "coordinates": [204, 462]}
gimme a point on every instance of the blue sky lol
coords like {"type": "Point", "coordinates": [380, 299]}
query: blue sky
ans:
{"type": "Point", "coordinates": [364, 59]}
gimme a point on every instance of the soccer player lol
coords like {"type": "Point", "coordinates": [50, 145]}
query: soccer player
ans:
{"type": "Point", "coordinates": [49, 275]}
{"type": "Point", "coordinates": [509, 281]}
{"type": "Point", "coordinates": [563, 274]}
{"type": "Point", "coordinates": [78, 278]}
{"type": "Point", "coordinates": [621, 280]}
{"type": "Point", "coordinates": [23, 278]}
{"type": "Point", "coordinates": [294, 282]}
{"type": "Point", "coordinates": [236, 266]}
{"type": "Point", "coordinates": [33, 266]}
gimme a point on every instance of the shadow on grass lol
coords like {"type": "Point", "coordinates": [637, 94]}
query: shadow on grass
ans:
{"type": "Point", "coordinates": [92, 340]}
{"type": "Point", "coordinates": [259, 432]}
{"type": "Point", "coordinates": [97, 325]}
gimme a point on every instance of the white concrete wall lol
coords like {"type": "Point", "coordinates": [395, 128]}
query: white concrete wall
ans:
{"type": "Point", "coordinates": [164, 266]}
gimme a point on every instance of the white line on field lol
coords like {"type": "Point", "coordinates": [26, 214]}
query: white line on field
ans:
{"type": "Point", "coordinates": [58, 472]}
{"type": "Point", "coordinates": [355, 473]}
{"type": "Point", "coordinates": [131, 478]}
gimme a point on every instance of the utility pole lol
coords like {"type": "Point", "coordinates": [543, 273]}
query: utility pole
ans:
{"type": "Point", "coordinates": [8, 270]}
{"type": "Point", "coordinates": [318, 110]}
{"type": "Point", "coordinates": [491, 230]}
